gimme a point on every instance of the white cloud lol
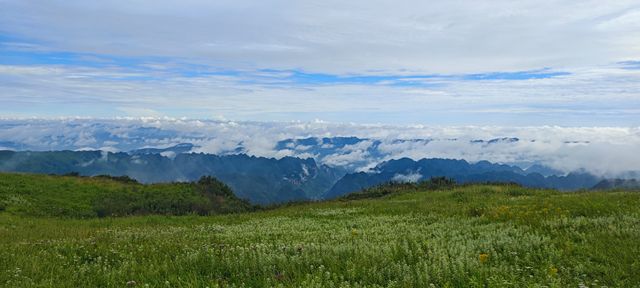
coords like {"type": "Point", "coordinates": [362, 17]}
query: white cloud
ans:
{"type": "Point", "coordinates": [600, 150]}
{"type": "Point", "coordinates": [599, 96]}
{"type": "Point", "coordinates": [143, 112]}
{"type": "Point", "coordinates": [147, 57]}
{"type": "Point", "coordinates": [411, 178]}
{"type": "Point", "coordinates": [232, 41]}
{"type": "Point", "coordinates": [337, 36]}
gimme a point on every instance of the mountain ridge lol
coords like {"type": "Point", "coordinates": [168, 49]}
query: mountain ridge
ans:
{"type": "Point", "coordinates": [459, 170]}
{"type": "Point", "coordinates": [270, 180]}
{"type": "Point", "coordinates": [259, 179]}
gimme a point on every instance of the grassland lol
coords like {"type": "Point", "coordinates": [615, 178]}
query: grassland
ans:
{"type": "Point", "coordinates": [87, 197]}
{"type": "Point", "coordinates": [469, 236]}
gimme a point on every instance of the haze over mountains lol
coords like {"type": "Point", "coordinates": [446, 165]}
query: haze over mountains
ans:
{"type": "Point", "coordinates": [260, 180]}
{"type": "Point", "coordinates": [408, 170]}
{"type": "Point", "coordinates": [352, 146]}
{"type": "Point", "coordinates": [534, 101]}
{"type": "Point", "coordinates": [278, 162]}
{"type": "Point", "coordinates": [269, 180]}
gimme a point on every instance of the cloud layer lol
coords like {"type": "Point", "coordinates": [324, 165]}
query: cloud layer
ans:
{"type": "Point", "coordinates": [518, 63]}
{"type": "Point", "coordinates": [600, 96]}
{"type": "Point", "coordinates": [339, 37]}
{"type": "Point", "coordinates": [609, 151]}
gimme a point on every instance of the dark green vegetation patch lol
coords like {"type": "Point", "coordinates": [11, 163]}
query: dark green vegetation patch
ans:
{"type": "Point", "coordinates": [73, 196]}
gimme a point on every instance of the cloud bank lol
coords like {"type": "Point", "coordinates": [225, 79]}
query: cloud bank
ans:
{"type": "Point", "coordinates": [337, 37]}
{"type": "Point", "coordinates": [608, 151]}
{"type": "Point", "coordinates": [518, 63]}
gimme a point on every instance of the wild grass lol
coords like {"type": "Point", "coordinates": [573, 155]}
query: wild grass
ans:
{"type": "Point", "coordinates": [86, 197]}
{"type": "Point", "coordinates": [471, 236]}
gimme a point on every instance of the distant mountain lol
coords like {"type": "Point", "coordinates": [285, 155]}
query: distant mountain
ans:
{"type": "Point", "coordinates": [10, 145]}
{"type": "Point", "coordinates": [173, 150]}
{"type": "Point", "coordinates": [348, 146]}
{"type": "Point", "coordinates": [268, 180]}
{"type": "Point", "coordinates": [260, 180]}
{"type": "Point", "coordinates": [497, 140]}
{"type": "Point", "coordinates": [340, 151]}
{"type": "Point", "coordinates": [406, 169]}
{"type": "Point", "coordinates": [542, 170]}
{"type": "Point", "coordinates": [609, 184]}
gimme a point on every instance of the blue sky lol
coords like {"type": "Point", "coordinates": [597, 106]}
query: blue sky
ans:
{"type": "Point", "coordinates": [573, 63]}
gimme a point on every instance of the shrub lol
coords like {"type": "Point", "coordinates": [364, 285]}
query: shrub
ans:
{"type": "Point", "coordinates": [437, 183]}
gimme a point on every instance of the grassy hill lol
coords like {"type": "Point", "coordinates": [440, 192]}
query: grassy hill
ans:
{"type": "Point", "coordinates": [82, 197]}
{"type": "Point", "coordinates": [469, 236]}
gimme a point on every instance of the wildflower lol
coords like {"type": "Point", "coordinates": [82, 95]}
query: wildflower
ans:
{"type": "Point", "coordinates": [131, 283]}
{"type": "Point", "coordinates": [484, 257]}
{"type": "Point", "coordinates": [553, 271]}
{"type": "Point", "coordinates": [354, 232]}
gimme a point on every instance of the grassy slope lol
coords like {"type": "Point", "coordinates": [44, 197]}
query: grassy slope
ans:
{"type": "Point", "coordinates": [413, 239]}
{"type": "Point", "coordinates": [83, 197]}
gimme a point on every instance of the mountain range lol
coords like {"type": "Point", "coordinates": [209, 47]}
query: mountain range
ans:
{"type": "Point", "coordinates": [264, 180]}
{"type": "Point", "coordinates": [340, 151]}
{"type": "Point", "coordinates": [609, 184]}
{"type": "Point", "coordinates": [405, 169]}
{"type": "Point", "coordinates": [258, 179]}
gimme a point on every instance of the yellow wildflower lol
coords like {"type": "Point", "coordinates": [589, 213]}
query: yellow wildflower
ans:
{"type": "Point", "coordinates": [484, 257]}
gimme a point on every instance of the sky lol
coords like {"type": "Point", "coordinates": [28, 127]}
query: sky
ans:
{"type": "Point", "coordinates": [505, 63]}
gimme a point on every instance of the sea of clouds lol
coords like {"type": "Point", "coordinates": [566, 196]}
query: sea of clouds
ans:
{"type": "Point", "coordinates": [606, 151]}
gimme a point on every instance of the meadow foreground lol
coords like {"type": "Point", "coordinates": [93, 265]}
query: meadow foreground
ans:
{"type": "Point", "coordinates": [469, 236]}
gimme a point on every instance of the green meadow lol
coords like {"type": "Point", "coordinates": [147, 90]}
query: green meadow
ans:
{"type": "Point", "coordinates": [77, 232]}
